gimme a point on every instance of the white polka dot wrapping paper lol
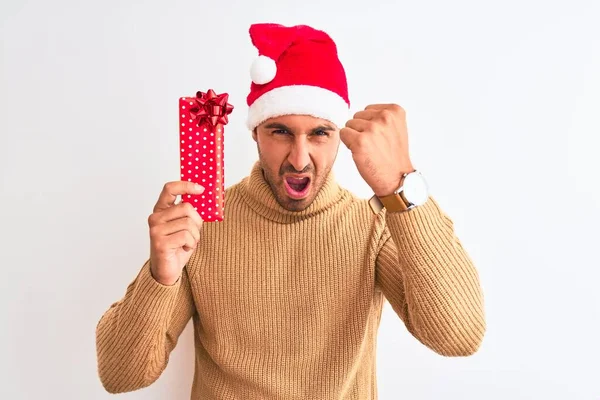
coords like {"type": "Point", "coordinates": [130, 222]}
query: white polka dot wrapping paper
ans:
{"type": "Point", "coordinates": [202, 147]}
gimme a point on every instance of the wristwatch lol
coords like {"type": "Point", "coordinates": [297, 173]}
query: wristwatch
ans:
{"type": "Point", "coordinates": [412, 192]}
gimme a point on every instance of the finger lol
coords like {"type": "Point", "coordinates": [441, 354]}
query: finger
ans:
{"type": "Point", "coordinates": [193, 214]}
{"type": "Point", "coordinates": [178, 225]}
{"type": "Point", "coordinates": [381, 107]}
{"type": "Point", "coordinates": [360, 125]}
{"type": "Point", "coordinates": [349, 136]}
{"type": "Point", "coordinates": [182, 239]}
{"type": "Point", "coordinates": [173, 189]}
{"type": "Point", "coordinates": [368, 115]}
{"type": "Point", "coordinates": [175, 212]}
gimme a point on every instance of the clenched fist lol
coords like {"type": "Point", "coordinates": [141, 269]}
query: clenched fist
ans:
{"type": "Point", "coordinates": [174, 232]}
{"type": "Point", "coordinates": [378, 140]}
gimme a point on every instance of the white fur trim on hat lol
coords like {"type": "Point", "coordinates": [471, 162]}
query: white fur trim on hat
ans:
{"type": "Point", "coordinates": [300, 100]}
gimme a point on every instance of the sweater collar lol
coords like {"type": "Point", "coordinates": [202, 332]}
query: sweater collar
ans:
{"type": "Point", "coordinates": [258, 195]}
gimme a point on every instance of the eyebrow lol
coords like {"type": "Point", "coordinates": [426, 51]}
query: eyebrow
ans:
{"type": "Point", "coordinates": [278, 125]}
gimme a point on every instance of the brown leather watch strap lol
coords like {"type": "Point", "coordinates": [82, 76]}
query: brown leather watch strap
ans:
{"type": "Point", "coordinates": [393, 203]}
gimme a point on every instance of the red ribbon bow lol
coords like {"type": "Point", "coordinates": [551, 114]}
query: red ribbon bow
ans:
{"type": "Point", "coordinates": [212, 107]}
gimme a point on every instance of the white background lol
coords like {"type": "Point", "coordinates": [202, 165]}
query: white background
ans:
{"type": "Point", "coordinates": [503, 105]}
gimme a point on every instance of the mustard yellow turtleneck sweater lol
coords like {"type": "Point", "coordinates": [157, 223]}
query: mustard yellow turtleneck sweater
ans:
{"type": "Point", "coordinates": [286, 305]}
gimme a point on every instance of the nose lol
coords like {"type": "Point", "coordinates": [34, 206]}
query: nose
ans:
{"type": "Point", "coordinates": [299, 156]}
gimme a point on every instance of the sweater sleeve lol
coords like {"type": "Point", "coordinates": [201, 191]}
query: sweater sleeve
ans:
{"type": "Point", "coordinates": [135, 335]}
{"type": "Point", "coordinates": [430, 281]}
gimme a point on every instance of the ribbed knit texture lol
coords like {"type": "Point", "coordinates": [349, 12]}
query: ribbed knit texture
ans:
{"type": "Point", "coordinates": [286, 305]}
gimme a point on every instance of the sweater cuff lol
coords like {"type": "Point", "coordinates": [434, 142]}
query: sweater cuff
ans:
{"type": "Point", "coordinates": [421, 216]}
{"type": "Point", "coordinates": [414, 229]}
{"type": "Point", "coordinates": [151, 299]}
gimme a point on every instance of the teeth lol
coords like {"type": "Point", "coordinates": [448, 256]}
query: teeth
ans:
{"type": "Point", "coordinates": [297, 181]}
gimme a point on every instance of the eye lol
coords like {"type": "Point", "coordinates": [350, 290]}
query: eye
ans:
{"type": "Point", "coordinates": [280, 132]}
{"type": "Point", "coordinates": [321, 132]}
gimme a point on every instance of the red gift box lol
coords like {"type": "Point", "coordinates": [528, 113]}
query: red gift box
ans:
{"type": "Point", "coordinates": [201, 122]}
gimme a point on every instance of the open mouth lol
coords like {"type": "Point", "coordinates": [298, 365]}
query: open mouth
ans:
{"type": "Point", "coordinates": [297, 187]}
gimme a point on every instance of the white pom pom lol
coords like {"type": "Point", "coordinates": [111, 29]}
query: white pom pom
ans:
{"type": "Point", "coordinates": [263, 70]}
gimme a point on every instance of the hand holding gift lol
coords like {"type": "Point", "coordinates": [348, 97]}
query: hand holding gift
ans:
{"type": "Point", "coordinates": [175, 228]}
{"type": "Point", "coordinates": [174, 232]}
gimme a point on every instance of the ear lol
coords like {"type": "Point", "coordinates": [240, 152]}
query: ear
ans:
{"type": "Point", "coordinates": [254, 134]}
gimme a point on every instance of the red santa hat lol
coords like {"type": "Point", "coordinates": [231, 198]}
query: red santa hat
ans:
{"type": "Point", "coordinates": [297, 72]}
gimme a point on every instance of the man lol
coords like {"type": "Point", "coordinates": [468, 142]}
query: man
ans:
{"type": "Point", "coordinates": [286, 293]}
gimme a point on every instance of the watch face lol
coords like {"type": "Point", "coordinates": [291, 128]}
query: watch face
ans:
{"type": "Point", "coordinates": [415, 189]}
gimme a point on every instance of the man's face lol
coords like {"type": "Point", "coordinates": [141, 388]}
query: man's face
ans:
{"type": "Point", "coordinates": [296, 153]}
